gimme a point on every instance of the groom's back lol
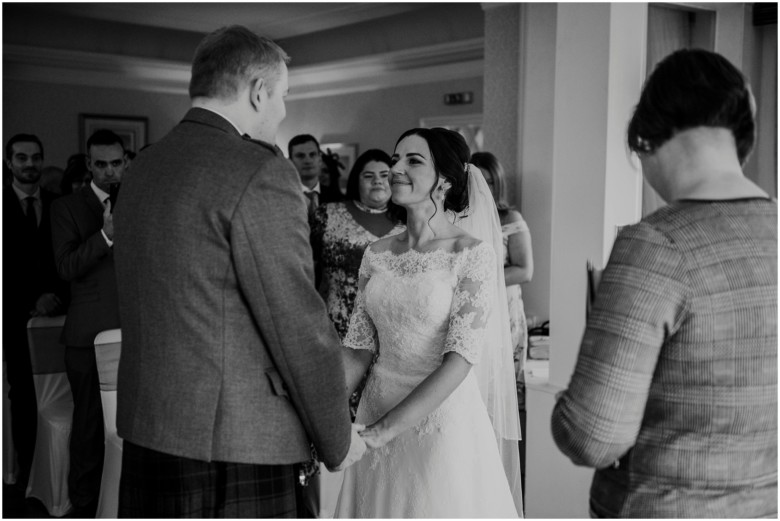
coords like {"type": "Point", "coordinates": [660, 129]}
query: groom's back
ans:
{"type": "Point", "coordinates": [198, 373]}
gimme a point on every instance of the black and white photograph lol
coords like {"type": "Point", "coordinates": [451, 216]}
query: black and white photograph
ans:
{"type": "Point", "coordinates": [376, 260]}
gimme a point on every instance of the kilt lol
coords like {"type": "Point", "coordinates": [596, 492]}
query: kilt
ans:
{"type": "Point", "coordinates": [159, 485]}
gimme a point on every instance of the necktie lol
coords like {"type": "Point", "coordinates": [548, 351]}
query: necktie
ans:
{"type": "Point", "coordinates": [314, 200]}
{"type": "Point", "coordinates": [32, 219]}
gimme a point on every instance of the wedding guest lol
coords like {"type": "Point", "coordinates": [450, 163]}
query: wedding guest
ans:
{"type": "Point", "coordinates": [518, 260]}
{"type": "Point", "coordinates": [32, 287]}
{"type": "Point", "coordinates": [330, 177]}
{"type": "Point", "coordinates": [674, 395]}
{"type": "Point", "coordinates": [82, 236]}
{"type": "Point", "coordinates": [51, 179]}
{"type": "Point", "coordinates": [342, 231]}
{"type": "Point", "coordinates": [230, 366]}
{"type": "Point", "coordinates": [76, 174]}
{"type": "Point", "coordinates": [304, 152]}
{"type": "Point", "coordinates": [430, 303]}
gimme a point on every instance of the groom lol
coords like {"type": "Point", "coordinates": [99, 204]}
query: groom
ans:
{"type": "Point", "coordinates": [230, 365]}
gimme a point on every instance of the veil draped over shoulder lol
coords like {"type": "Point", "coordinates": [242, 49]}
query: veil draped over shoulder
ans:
{"type": "Point", "coordinates": [495, 372]}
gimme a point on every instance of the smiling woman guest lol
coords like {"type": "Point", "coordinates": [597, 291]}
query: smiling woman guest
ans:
{"type": "Point", "coordinates": [341, 232]}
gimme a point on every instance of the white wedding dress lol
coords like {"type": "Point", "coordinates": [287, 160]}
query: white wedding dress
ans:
{"type": "Point", "coordinates": [413, 308]}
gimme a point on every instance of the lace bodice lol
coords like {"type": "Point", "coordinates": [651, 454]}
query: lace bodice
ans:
{"type": "Point", "coordinates": [415, 307]}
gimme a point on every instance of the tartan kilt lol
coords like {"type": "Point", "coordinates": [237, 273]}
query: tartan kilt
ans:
{"type": "Point", "coordinates": [159, 485]}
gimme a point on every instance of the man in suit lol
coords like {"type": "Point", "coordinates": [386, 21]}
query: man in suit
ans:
{"type": "Point", "coordinates": [82, 234]}
{"type": "Point", "coordinates": [32, 287]}
{"type": "Point", "coordinates": [230, 366]}
{"type": "Point", "coordinates": [304, 152]}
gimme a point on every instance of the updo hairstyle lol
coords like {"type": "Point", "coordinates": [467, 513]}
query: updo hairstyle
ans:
{"type": "Point", "coordinates": [449, 154]}
{"type": "Point", "coordinates": [693, 88]}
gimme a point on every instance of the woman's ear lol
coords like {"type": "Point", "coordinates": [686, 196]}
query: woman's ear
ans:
{"type": "Point", "coordinates": [444, 185]}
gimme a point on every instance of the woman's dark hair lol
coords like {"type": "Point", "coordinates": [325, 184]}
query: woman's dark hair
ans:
{"type": "Point", "coordinates": [488, 162]}
{"type": "Point", "coordinates": [75, 170]}
{"type": "Point", "coordinates": [693, 88]}
{"type": "Point", "coordinates": [353, 181]}
{"type": "Point", "coordinates": [450, 154]}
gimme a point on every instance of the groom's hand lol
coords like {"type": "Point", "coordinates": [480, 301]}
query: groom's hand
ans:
{"type": "Point", "coordinates": [357, 447]}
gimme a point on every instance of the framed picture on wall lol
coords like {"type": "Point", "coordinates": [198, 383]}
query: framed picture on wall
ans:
{"type": "Point", "coordinates": [132, 129]}
{"type": "Point", "coordinates": [347, 153]}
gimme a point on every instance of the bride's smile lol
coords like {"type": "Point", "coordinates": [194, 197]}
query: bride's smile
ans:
{"type": "Point", "coordinates": [412, 169]}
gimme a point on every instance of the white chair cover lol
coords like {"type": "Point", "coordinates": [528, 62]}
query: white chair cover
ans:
{"type": "Point", "coordinates": [108, 346]}
{"type": "Point", "coordinates": [51, 462]}
{"type": "Point", "coordinates": [10, 464]}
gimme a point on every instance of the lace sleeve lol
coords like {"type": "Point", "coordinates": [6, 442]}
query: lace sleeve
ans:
{"type": "Point", "coordinates": [471, 304]}
{"type": "Point", "coordinates": [361, 333]}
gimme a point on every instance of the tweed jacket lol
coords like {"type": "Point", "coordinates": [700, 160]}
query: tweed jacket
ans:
{"type": "Point", "coordinates": [674, 395]}
{"type": "Point", "coordinates": [28, 266]}
{"type": "Point", "coordinates": [227, 350]}
{"type": "Point", "coordinates": [84, 259]}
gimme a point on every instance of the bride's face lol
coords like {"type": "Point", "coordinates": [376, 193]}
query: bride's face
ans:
{"type": "Point", "coordinates": [412, 173]}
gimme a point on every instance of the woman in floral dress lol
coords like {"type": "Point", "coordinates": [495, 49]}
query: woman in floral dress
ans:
{"type": "Point", "coordinates": [341, 232]}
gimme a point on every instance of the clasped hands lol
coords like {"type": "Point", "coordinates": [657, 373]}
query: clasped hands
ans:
{"type": "Point", "coordinates": [374, 436]}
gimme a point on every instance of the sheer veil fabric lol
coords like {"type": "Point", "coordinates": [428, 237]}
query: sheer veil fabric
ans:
{"type": "Point", "coordinates": [495, 372]}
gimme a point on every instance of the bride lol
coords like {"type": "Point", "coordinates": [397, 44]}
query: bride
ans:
{"type": "Point", "coordinates": [440, 409]}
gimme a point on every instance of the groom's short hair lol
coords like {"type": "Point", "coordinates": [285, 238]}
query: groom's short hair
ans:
{"type": "Point", "coordinates": [230, 57]}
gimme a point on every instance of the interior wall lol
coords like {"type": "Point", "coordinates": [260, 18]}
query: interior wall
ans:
{"type": "Point", "coordinates": [370, 119]}
{"type": "Point", "coordinates": [537, 78]}
{"type": "Point", "coordinates": [374, 119]}
{"type": "Point", "coordinates": [502, 75]}
{"type": "Point", "coordinates": [51, 111]}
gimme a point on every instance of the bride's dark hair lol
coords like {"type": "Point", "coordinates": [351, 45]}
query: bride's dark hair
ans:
{"type": "Point", "coordinates": [449, 153]}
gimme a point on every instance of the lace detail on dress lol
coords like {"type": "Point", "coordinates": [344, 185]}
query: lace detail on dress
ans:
{"type": "Point", "coordinates": [411, 305]}
{"type": "Point", "coordinates": [361, 333]}
{"type": "Point", "coordinates": [470, 304]}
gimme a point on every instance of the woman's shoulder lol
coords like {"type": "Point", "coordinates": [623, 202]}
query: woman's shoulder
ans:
{"type": "Point", "coordinates": [465, 242]}
{"type": "Point", "coordinates": [384, 244]}
{"type": "Point", "coordinates": [510, 216]}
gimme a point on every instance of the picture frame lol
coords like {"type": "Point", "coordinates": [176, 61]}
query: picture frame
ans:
{"type": "Point", "coordinates": [131, 129]}
{"type": "Point", "coordinates": [347, 153]}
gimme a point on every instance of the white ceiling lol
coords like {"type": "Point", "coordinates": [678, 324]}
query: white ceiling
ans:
{"type": "Point", "coordinates": [276, 20]}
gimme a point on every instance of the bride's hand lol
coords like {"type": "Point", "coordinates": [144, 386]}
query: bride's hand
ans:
{"type": "Point", "coordinates": [377, 435]}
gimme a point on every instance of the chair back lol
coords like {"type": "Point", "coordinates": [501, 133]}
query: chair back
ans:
{"type": "Point", "coordinates": [47, 354]}
{"type": "Point", "coordinates": [108, 347]}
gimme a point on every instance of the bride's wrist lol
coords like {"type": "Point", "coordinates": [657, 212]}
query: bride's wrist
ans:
{"type": "Point", "coordinates": [388, 428]}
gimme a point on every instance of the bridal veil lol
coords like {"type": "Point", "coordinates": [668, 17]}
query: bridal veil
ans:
{"type": "Point", "coordinates": [495, 372]}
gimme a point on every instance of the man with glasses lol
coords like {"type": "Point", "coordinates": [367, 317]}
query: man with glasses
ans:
{"type": "Point", "coordinates": [82, 236]}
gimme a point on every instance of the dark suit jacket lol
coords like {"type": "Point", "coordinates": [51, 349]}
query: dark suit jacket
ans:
{"type": "Point", "coordinates": [227, 350]}
{"type": "Point", "coordinates": [28, 266]}
{"type": "Point", "coordinates": [84, 259]}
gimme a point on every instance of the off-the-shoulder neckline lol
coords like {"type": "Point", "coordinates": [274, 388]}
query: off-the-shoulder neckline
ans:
{"type": "Point", "coordinates": [418, 252]}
